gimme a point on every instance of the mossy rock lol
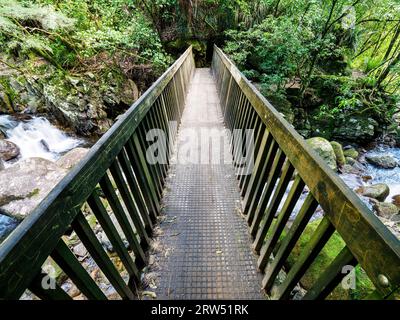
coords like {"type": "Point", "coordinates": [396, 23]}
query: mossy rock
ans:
{"type": "Point", "coordinates": [332, 248]}
{"type": "Point", "coordinates": [337, 148]}
{"type": "Point", "coordinates": [325, 150]}
{"type": "Point", "coordinates": [350, 161]}
{"type": "Point", "coordinates": [351, 153]}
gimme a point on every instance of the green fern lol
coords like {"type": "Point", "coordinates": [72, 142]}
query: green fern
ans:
{"type": "Point", "coordinates": [47, 17]}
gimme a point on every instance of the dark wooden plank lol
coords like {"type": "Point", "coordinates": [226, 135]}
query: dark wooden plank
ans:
{"type": "Point", "coordinates": [257, 150]}
{"type": "Point", "coordinates": [67, 261]}
{"type": "Point", "coordinates": [126, 227]}
{"type": "Point", "coordinates": [280, 190]}
{"type": "Point", "coordinates": [318, 240]}
{"type": "Point", "coordinates": [299, 223]}
{"type": "Point", "coordinates": [142, 147]}
{"type": "Point", "coordinates": [136, 192]}
{"type": "Point", "coordinates": [110, 230]}
{"type": "Point", "coordinates": [331, 277]}
{"type": "Point", "coordinates": [130, 205]}
{"type": "Point", "coordinates": [284, 215]}
{"type": "Point", "coordinates": [259, 177]}
{"type": "Point", "coordinates": [92, 244]}
{"type": "Point", "coordinates": [143, 169]}
{"type": "Point", "coordinates": [142, 175]}
{"type": "Point", "coordinates": [266, 194]}
{"type": "Point", "coordinates": [56, 293]}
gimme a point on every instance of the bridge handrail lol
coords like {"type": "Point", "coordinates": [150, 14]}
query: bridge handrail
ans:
{"type": "Point", "coordinates": [367, 239]}
{"type": "Point", "coordinates": [120, 156]}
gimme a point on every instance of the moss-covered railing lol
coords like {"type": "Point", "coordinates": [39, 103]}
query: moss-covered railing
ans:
{"type": "Point", "coordinates": [116, 171]}
{"type": "Point", "coordinates": [281, 153]}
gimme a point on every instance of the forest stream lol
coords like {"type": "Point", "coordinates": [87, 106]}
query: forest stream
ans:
{"type": "Point", "coordinates": [35, 137]}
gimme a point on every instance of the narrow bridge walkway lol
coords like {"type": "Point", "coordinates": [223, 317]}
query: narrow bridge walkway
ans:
{"type": "Point", "coordinates": [205, 243]}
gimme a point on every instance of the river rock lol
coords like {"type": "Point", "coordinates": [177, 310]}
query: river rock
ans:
{"type": "Point", "coordinates": [350, 161]}
{"type": "Point", "coordinates": [129, 93]}
{"type": "Point", "coordinates": [396, 200]}
{"type": "Point", "coordinates": [386, 161]}
{"type": "Point", "coordinates": [355, 128]}
{"type": "Point", "coordinates": [385, 209]}
{"type": "Point", "coordinates": [350, 153]}
{"type": "Point", "coordinates": [80, 250]}
{"type": "Point", "coordinates": [324, 149]}
{"type": "Point", "coordinates": [377, 191]}
{"type": "Point", "coordinates": [337, 148]}
{"type": "Point", "coordinates": [71, 158]}
{"type": "Point", "coordinates": [28, 182]}
{"type": "Point", "coordinates": [8, 150]}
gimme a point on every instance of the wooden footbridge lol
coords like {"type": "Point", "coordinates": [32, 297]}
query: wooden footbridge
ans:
{"type": "Point", "coordinates": [226, 232]}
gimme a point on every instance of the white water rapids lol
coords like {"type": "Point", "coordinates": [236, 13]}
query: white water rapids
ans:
{"type": "Point", "coordinates": [35, 137]}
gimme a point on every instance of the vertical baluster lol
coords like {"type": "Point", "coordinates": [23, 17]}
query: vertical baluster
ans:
{"type": "Point", "coordinates": [332, 276]}
{"type": "Point", "coordinates": [255, 198]}
{"type": "Point", "coordinates": [138, 160]}
{"type": "Point", "coordinates": [238, 125]}
{"type": "Point", "coordinates": [284, 215]}
{"type": "Point", "coordinates": [300, 222]}
{"type": "Point", "coordinates": [112, 234]}
{"type": "Point", "coordinates": [257, 171]}
{"type": "Point", "coordinates": [157, 175]}
{"type": "Point", "coordinates": [246, 149]}
{"type": "Point", "coordinates": [130, 204]}
{"type": "Point", "coordinates": [136, 192]}
{"type": "Point", "coordinates": [92, 244]}
{"type": "Point", "coordinates": [47, 294]}
{"type": "Point", "coordinates": [142, 148]}
{"type": "Point", "coordinates": [67, 261]}
{"type": "Point", "coordinates": [273, 206]}
{"type": "Point", "coordinates": [119, 212]}
{"type": "Point", "coordinates": [260, 130]}
{"type": "Point", "coordinates": [265, 197]}
{"type": "Point", "coordinates": [324, 231]}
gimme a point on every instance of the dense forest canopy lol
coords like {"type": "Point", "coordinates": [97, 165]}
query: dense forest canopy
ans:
{"type": "Point", "coordinates": [333, 65]}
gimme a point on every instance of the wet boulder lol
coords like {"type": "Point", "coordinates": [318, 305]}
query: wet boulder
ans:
{"type": "Point", "coordinates": [396, 200]}
{"type": "Point", "coordinates": [386, 161]}
{"type": "Point", "coordinates": [28, 183]}
{"type": "Point", "coordinates": [71, 158]}
{"type": "Point", "coordinates": [385, 209]}
{"type": "Point", "coordinates": [325, 150]}
{"type": "Point", "coordinates": [350, 153]}
{"type": "Point", "coordinates": [378, 191]}
{"type": "Point", "coordinates": [8, 150]}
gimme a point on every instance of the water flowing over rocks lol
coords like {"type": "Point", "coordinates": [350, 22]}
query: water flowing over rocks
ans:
{"type": "Point", "coordinates": [386, 161]}
{"type": "Point", "coordinates": [8, 150]}
{"type": "Point", "coordinates": [378, 191]}
{"type": "Point", "coordinates": [385, 209]}
{"type": "Point", "coordinates": [29, 181]}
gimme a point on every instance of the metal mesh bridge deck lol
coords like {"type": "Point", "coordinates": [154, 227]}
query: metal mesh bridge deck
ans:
{"type": "Point", "coordinates": [204, 247]}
